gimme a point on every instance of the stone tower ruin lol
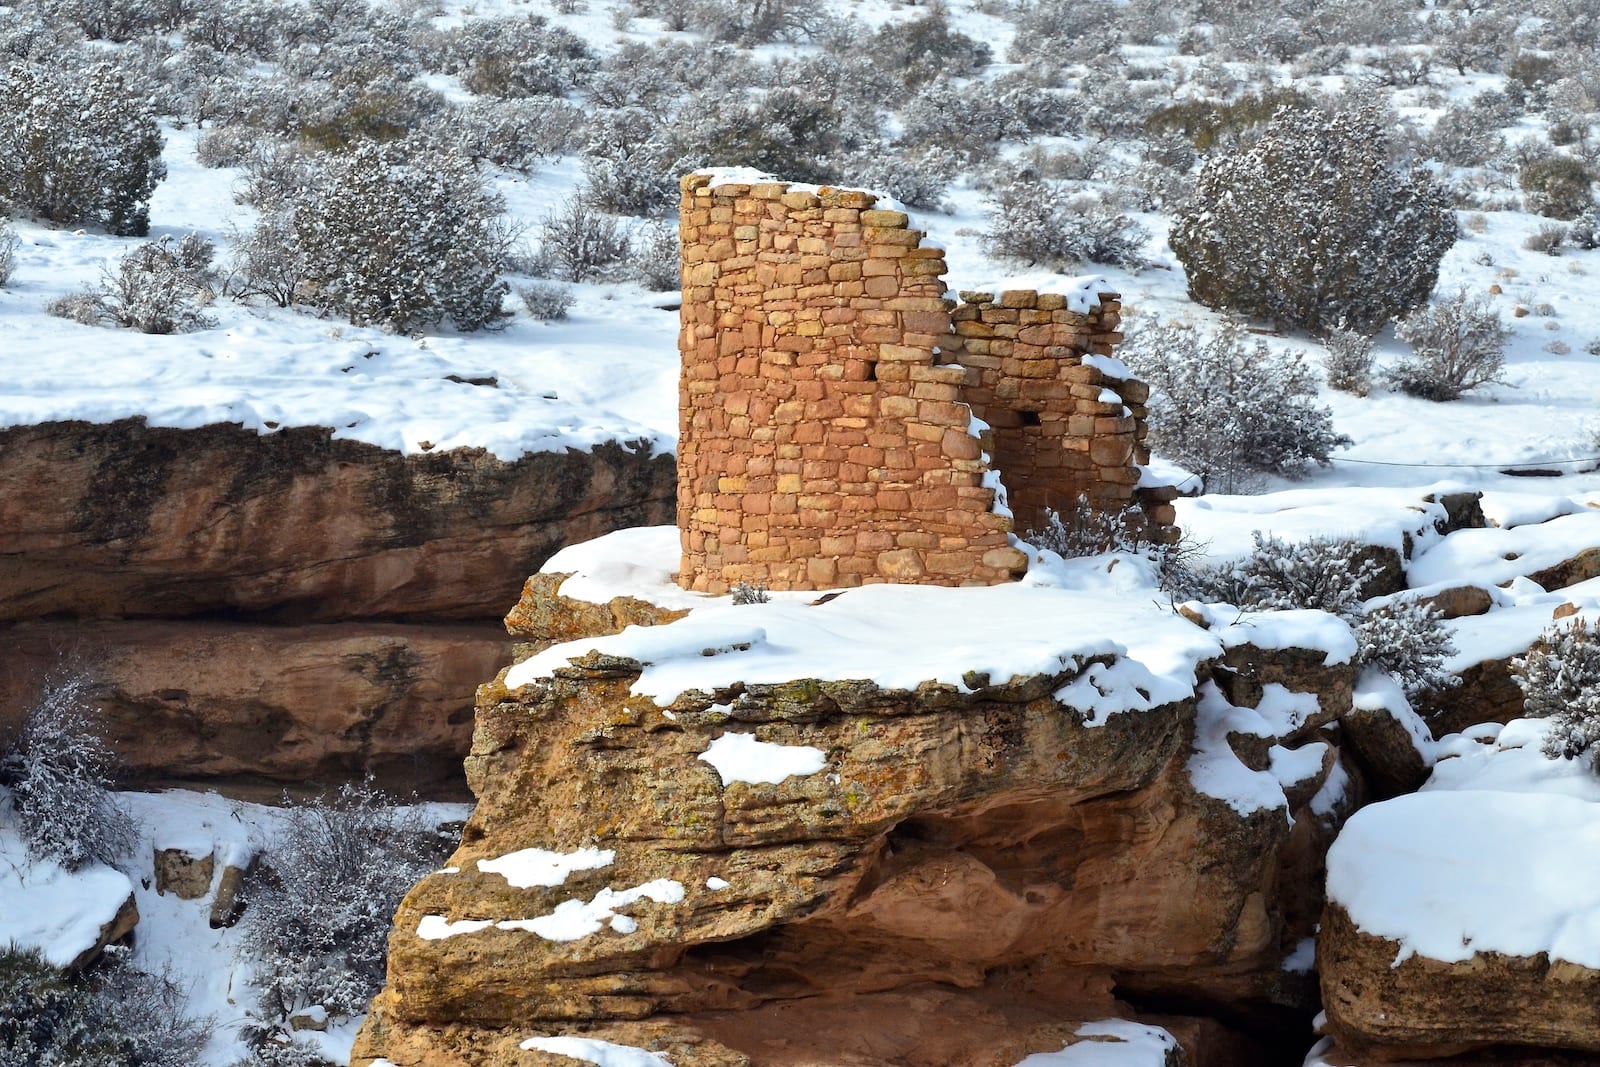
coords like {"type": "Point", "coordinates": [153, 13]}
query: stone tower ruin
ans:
{"type": "Point", "coordinates": [843, 422]}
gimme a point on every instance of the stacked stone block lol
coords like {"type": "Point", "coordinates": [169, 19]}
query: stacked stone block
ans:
{"type": "Point", "coordinates": [1062, 428]}
{"type": "Point", "coordinates": [825, 424]}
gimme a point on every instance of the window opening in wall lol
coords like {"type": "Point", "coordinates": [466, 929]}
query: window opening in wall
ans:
{"type": "Point", "coordinates": [1028, 418]}
{"type": "Point", "coordinates": [872, 370]}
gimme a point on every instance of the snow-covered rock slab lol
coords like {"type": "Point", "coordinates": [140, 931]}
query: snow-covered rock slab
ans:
{"type": "Point", "coordinates": [1468, 914]}
{"type": "Point", "coordinates": [64, 914]}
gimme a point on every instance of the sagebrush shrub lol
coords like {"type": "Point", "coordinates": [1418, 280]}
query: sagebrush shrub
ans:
{"type": "Point", "coordinates": [658, 259]}
{"type": "Point", "coordinates": [78, 146]}
{"type": "Point", "coordinates": [1326, 573]}
{"type": "Point", "coordinates": [579, 242]}
{"type": "Point", "coordinates": [546, 301]}
{"type": "Point", "coordinates": [1349, 363]}
{"type": "Point", "coordinates": [1229, 409]}
{"type": "Point", "coordinates": [1560, 681]}
{"type": "Point", "coordinates": [8, 253]}
{"type": "Point", "coordinates": [1457, 343]}
{"type": "Point", "coordinates": [59, 770]}
{"type": "Point", "coordinates": [1311, 226]}
{"type": "Point", "coordinates": [1410, 641]}
{"type": "Point", "coordinates": [317, 912]}
{"type": "Point", "coordinates": [1033, 222]}
{"type": "Point", "coordinates": [1558, 187]}
{"type": "Point", "coordinates": [1089, 531]}
{"type": "Point", "coordinates": [1548, 239]}
{"type": "Point", "coordinates": [1407, 639]}
{"type": "Point", "coordinates": [746, 593]}
{"type": "Point", "coordinates": [160, 287]}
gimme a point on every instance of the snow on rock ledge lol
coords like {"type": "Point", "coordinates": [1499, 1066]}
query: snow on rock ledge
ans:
{"type": "Point", "coordinates": [1468, 914]}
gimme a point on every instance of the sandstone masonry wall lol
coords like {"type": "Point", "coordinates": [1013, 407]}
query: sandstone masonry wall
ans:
{"type": "Point", "coordinates": [828, 387]}
{"type": "Point", "coordinates": [1062, 428]}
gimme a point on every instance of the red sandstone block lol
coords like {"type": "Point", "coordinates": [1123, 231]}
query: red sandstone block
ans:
{"type": "Point", "coordinates": [959, 445]}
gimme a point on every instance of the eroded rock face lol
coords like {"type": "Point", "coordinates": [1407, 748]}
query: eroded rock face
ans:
{"type": "Point", "coordinates": [966, 874]}
{"type": "Point", "coordinates": [330, 702]}
{"type": "Point", "coordinates": [283, 605]}
{"type": "Point", "coordinates": [1422, 1008]}
{"type": "Point", "coordinates": [121, 519]}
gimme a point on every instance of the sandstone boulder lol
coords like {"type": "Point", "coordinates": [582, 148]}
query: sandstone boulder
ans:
{"type": "Point", "coordinates": [185, 876]}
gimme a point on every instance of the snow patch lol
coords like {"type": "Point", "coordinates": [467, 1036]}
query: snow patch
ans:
{"type": "Point", "coordinates": [1127, 1044]}
{"type": "Point", "coordinates": [593, 1050]}
{"type": "Point", "coordinates": [742, 758]}
{"type": "Point", "coordinates": [536, 866]}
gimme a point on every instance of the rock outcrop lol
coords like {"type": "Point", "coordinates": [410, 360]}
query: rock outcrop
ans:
{"type": "Point", "coordinates": [968, 871]}
{"type": "Point", "coordinates": [285, 605]}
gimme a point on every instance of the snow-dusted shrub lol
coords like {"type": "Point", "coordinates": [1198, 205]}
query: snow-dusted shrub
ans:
{"type": "Point", "coordinates": [59, 771]}
{"type": "Point", "coordinates": [1560, 681]}
{"type": "Point", "coordinates": [1457, 344]}
{"type": "Point", "coordinates": [922, 49]}
{"type": "Point", "coordinates": [918, 178]}
{"type": "Point", "coordinates": [1228, 408]}
{"type": "Point", "coordinates": [1557, 187]}
{"type": "Point", "coordinates": [115, 1017]}
{"type": "Point", "coordinates": [1406, 638]}
{"type": "Point", "coordinates": [515, 134]}
{"type": "Point", "coordinates": [8, 252]}
{"type": "Point", "coordinates": [1311, 226]}
{"type": "Point", "coordinates": [1349, 362]}
{"type": "Point", "coordinates": [657, 262]}
{"type": "Point", "coordinates": [546, 301]}
{"type": "Point", "coordinates": [226, 146]}
{"type": "Point", "coordinates": [160, 287]}
{"type": "Point", "coordinates": [781, 130]}
{"type": "Point", "coordinates": [758, 21]}
{"type": "Point", "coordinates": [1089, 531]}
{"type": "Point", "coordinates": [1477, 40]}
{"type": "Point", "coordinates": [1059, 32]}
{"type": "Point", "coordinates": [83, 307]}
{"type": "Point", "coordinates": [44, 1018]}
{"type": "Point", "coordinates": [1214, 124]}
{"type": "Point", "coordinates": [1034, 222]}
{"type": "Point", "coordinates": [1410, 641]}
{"type": "Point", "coordinates": [1325, 573]}
{"type": "Point", "coordinates": [964, 119]}
{"type": "Point", "coordinates": [630, 166]}
{"type": "Point", "coordinates": [1468, 135]}
{"type": "Point", "coordinates": [78, 146]}
{"type": "Point", "coordinates": [1548, 239]}
{"type": "Point", "coordinates": [579, 242]}
{"type": "Point", "coordinates": [385, 240]}
{"type": "Point", "coordinates": [517, 57]}
{"type": "Point", "coordinates": [746, 593]}
{"type": "Point", "coordinates": [145, 1017]}
{"type": "Point", "coordinates": [317, 912]}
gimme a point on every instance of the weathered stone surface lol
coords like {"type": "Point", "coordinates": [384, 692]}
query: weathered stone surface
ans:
{"type": "Point", "coordinates": [120, 926]}
{"type": "Point", "coordinates": [229, 901]}
{"type": "Point", "coordinates": [1424, 1009]}
{"type": "Point", "coordinates": [184, 876]}
{"type": "Point", "coordinates": [1487, 693]}
{"type": "Point", "coordinates": [121, 519]}
{"type": "Point", "coordinates": [544, 617]}
{"type": "Point", "coordinates": [1385, 750]}
{"type": "Point", "coordinates": [196, 700]}
{"type": "Point", "coordinates": [966, 868]}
